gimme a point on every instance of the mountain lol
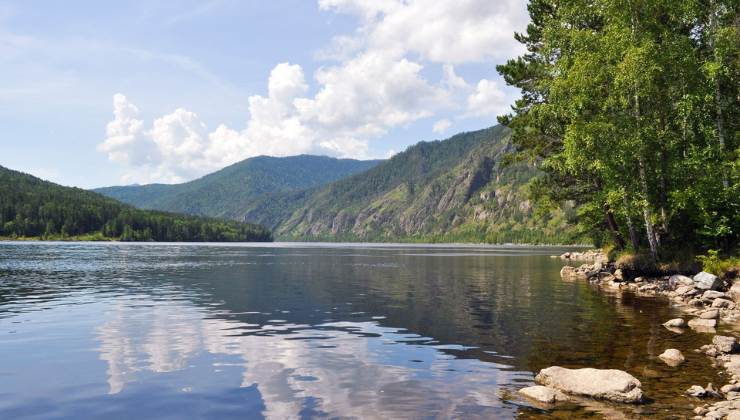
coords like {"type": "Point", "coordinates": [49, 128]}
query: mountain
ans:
{"type": "Point", "coordinates": [456, 190]}
{"type": "Point", "coordinates": [31, 207]}
{"type": "Point", "coordinates": [226, 193]}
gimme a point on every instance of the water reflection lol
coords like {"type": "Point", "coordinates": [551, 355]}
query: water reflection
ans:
{"type": "Point", "coordinates": [286, 332]}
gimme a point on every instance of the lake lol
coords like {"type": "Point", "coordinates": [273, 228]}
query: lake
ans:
{"type": "Point", "coordinates": [284, 330]}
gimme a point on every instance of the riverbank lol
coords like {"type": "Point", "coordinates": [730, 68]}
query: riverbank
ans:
{"type": "Point", "coordinates": [705, 300]}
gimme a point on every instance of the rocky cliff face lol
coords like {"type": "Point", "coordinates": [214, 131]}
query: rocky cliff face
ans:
{"type": "Point", "coordinates": [453, 190]}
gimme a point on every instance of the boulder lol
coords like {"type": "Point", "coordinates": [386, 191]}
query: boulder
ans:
{"type": "Point", "coordinates": [675, 323]}
{"type": "Point", "coordinates": [619, 275]}
{"type": "Point", "coordinates": [678, 280]}
{"type": "Point", "coordinates": [687, 291]}
{"type": "Point", "coordinates": [723, 303]}
{"type": "Point", "coordinates": [672, 357]}
{"type": "Point", "coordinates": [606, 384]}
{"type": "Point", "coordinates": [725, 344]}
{"type": "Point", "coordinates": [707, 281]}
{"type": "Point", "coordinates": [543, 394]}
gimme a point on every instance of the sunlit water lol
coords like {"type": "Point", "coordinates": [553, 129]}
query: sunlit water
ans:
{"type": "Point", "coordinates": [92, 330]}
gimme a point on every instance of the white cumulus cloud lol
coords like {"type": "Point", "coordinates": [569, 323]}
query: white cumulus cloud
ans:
{"type": "Point", "coordinates": [375, 80]}
{"type": "Point", "coordinates": [441, 126]}
{"type": "Point", "coordinates": [487, 101]}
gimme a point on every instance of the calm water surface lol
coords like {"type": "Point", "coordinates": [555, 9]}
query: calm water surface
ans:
{"type": "Point", "coordinates": [91, 330]}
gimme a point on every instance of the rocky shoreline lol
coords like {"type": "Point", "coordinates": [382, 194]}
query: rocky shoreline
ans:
{"type": "Point", "coordinates": [705, 300]}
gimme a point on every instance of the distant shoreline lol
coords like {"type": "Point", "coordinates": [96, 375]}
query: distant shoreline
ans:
{"type": "Point", "coordinates": [316, 244]}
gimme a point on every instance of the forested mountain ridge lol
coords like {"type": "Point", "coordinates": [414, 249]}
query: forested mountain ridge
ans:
{"type": "Point", "coordinates": [452, 190]}
{"type": "Point", "coordinates": [227, 192]}
{"type": "Point", "coordinates": [32, 207]}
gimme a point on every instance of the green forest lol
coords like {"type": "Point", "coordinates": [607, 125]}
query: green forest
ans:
{"type": "Point", "coordinates": [33, 208]}
{"type": "Point", "coordinates": [630, 110]}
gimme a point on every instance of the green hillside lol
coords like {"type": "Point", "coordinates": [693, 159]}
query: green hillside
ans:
{"type": "Point", "coordinates": [455, 190]}
{"type": "Point", "coordinates": [34, 208]}
{"type": "Point", "coordinates": [226, 193]}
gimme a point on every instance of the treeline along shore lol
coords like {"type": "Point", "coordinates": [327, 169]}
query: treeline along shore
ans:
{"type": "Point", "coordinates": [31, 208]}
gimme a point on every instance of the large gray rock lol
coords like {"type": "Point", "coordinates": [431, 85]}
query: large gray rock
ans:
{"type": "Point", "coordinates": [543, 394]}
{"type": "Point", "coordinates": [707, 281]}
{"type": "Point", "coordinates": [605, 384]}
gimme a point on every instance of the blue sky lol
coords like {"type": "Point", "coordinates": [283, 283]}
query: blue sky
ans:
{"type": "Point", "coordinates": [103, 93]}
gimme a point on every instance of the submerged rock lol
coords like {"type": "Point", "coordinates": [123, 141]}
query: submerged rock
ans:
{"type": "Point", "coordinates": [543, 394]}
{"type": "Point", "coordinates": [672, 357]}
{"type": "Point", "coordinates": [607, 384]}
{"type": "Point", "coordinates": [707, 281]}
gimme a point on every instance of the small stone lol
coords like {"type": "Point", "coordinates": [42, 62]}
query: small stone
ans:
{"type": "Point", "coordinates": [734, 291]}
{"type": "Point", "coordinates": [733, 415]}
{"type": "Point", "coordinates": [730, 388]}
{"type": "Point", "coordinates": [725, 344]}
{"type": "Point", "coordinates": [678, 280]}
{"type": "Point", "coordinates": [723, 303]}
{"type": "Point", "coordinates": [700, 410]}
{"type": "Point", "coordinates": [697, 303]}
{"type": "Point", "coordinates": [733, 396]}
{"type": "Point", "coordinates": [712, 294]}
{"type": "Point", "coordinates": [707, 281]}
{"type": "Point", "coordinates": [711, 391]}
{"type": "Point", "coordinates": [619, 274]}
{"type": "Point", "coordinates": [696, 391]}
{"type": "Point", "coordinates": [709, 314]}
{"type": "Point", "coordinates": [687, 291]}
{"type": "Point", "coordinates": [543, 394]}
{"type": "Point", "coordinates": [675, 323]}
{"type": "Point", "coordinates": [702, 323]}
{"type": "Point", "coordinates": [672, 357]}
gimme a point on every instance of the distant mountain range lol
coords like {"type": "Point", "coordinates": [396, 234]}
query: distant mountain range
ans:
{"type": "Point", "coordinates": [227, 193]}
{"type": "Point", "coordinates": [455, 190]}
